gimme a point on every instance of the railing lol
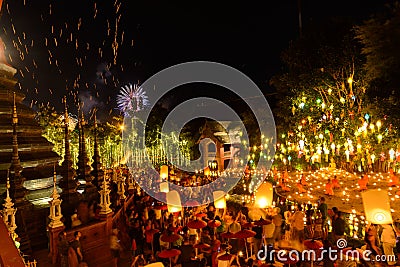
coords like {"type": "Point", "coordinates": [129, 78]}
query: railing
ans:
{"type": "Point", "coordinates": [121, 211]}
{"type": "Point", "coordinates": [30, 263]}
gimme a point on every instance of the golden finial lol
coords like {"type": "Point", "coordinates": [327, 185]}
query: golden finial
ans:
{"type": "Point", "coordinates": [54, 176]}
{"type": "Point", "coordinates": [8, 179]}
{"type": "Point", "coordinates": [95, 118]}
{"type": "Point", "coordinates": [14, 116]}
{"type": "Point", "coordinates": [82, 115]}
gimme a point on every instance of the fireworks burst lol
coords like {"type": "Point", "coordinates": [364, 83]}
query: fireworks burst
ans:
{"type": "Point", "coordinates": [132, 98]}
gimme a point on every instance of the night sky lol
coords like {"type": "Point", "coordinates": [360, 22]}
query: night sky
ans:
{"type": "Point", "coordinates": [65, 47]}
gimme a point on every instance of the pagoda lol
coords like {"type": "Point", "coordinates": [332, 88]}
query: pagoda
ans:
{"type": "Point", "coordinates": [36, 154]}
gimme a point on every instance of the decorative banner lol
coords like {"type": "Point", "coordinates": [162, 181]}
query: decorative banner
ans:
{"type": "Point", "coordinates": [264, 195]}
{"type": "Point", "coordinates": [219, 199]}
{"type": "Point", "coordinates": [377, 206]}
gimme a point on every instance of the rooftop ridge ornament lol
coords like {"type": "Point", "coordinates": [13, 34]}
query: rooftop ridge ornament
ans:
{"type": "Point", "coordinates": [55, 194]}
{"type": "Point", "coordinates": [9, 211]}
{"type": "Point", "coordinates": [8, 201]}
{"type": "Point", "coordinates": [55, 205]}
{"type": "Point", "coordinates": [105, 201]}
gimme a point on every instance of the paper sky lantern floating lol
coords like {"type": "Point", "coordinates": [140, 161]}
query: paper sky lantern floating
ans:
{"type": "Point", "coordinates": [174, 201]}
{"type": "Point", "coordinates": [164, 187]}
{"type": "Point", "coordinates": [164, 172]}
{"type": "Point", "coordinates": [377, 206]}
{"type": "Point", "coordinates": [219, 199]}
{"type": "Point", "coordinates": [264, 195]}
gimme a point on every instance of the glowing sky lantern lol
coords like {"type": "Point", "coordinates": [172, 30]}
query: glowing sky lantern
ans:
{"type": "Point", "coordinates": [219, 199]}
{"type": "Point", "coordinates": [164, 187]}
{"type": "Point", "coordinates": [377, 206]}
{"type": "Point", "coordinates": [174, 201]}
{"type": "Point", "coordinates": [164, 172]}
{"type": "Point", "coordinates": [264, 195]}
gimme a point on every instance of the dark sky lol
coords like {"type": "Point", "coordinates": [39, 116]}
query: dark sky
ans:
{"type": "Point", "coordinates": [151, 35]}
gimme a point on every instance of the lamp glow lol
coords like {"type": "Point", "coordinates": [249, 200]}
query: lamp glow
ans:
{"type": "Point", "coordinates": [164, 187]}
{"type": "Point", "coordinates": [164, 172]}
{"type": "Point", "coordinates": [174, 201]}
{"type": "Point", "coordinates": [377, 206]}
{"type": "Point", "coordinates": [264, 196]}
{"type": "Point", "coordinates": [219, 199]}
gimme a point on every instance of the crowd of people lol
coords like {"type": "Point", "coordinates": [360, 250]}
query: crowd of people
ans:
{"type": "Point", "coordinates": [149, 233]}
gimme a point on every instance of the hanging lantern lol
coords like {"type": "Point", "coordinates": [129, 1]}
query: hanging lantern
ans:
{"type": "Point", "coordinates": [219, 199]}
{"type": "Point", "coordinates": [174, 201]}
{"type": "Point", "coordinates": [264, 196]}
{"type": "Point", "coordinates": [301, 144]}
{"type": "Point", "coordinates": [164, 172]}
{"type": "Point", "coordinates": [164, 187]}
{"type": "Point", "coordinates": [377, 206]}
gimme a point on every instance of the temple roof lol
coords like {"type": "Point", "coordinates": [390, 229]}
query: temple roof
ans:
{"type": "Point", "coordinates": [225, 132]}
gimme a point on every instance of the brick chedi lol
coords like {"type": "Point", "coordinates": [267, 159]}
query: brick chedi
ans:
{"type": "Point", "coordinates": [36, 154]}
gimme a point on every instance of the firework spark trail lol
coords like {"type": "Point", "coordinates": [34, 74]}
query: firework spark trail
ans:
{"type": "Point", "coordinates": [59, 37]}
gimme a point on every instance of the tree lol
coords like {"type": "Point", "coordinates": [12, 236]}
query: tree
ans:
{"type": "Point", "coordinates": [323, 111]}
{"type": "Point", "coordinates": [380, 39]}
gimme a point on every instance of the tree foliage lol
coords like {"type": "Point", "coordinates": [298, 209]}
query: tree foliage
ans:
{"type": "Point", "coordinates": [324, 112]}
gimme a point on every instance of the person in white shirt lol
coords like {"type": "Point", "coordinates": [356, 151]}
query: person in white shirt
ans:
{"type": "Point", "coordinates": [297, 224]}
{"type": "Point", "coordinates": [388, 239]}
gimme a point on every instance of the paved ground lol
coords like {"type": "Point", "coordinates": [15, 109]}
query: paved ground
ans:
{"type": "Point", "coordinates": [44, 261]}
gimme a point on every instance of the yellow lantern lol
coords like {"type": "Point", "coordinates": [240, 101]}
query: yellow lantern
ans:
{"type": "Point", "coordinates": [164, 187]}
{"type": "Point", "coordinates": [379, 125]}
{"type": "Point", "coordinates": [264, 195]}
{"type": "Point", "coordinates": [219, 199]}
{"type": "Point", "coordinates": [174, 201]}
{"type": "Point", "coordinates": [377, 206]}
{"type": "Point", "coordinates": [207, 171]}
{"type": "Point", "coordinates": [164, 172]}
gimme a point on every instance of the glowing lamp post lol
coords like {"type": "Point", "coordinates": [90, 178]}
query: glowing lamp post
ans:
{"type": "Point", "coordinates": [377, 206]}
{"type": "Point", "coordinates": [219, 199]}
{"type": "Point", "coordinates": [264, 196]}
{"type": "Point", "coordinates": [174, 202]}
